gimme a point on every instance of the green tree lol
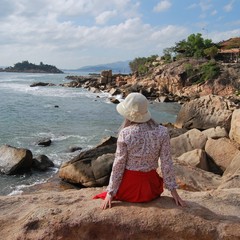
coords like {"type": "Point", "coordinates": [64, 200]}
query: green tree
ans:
{"type": "Point", "coordinates": [194, 46]}
{"type": "Point", "coordinates": [211, 51]}
{"type": "Point", "coordinates": [167, 54]}
{"type": "Point", "coordinates": [141, 65]}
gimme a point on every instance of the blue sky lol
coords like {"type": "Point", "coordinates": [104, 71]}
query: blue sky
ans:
{"type": "Point", "coordinates": [74, 33]}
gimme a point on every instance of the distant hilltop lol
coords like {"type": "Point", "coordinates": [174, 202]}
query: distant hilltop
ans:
{"type": "Point", "coordinates": [27, 67]}
{"type": "Point", "coordinates": [116, 67]}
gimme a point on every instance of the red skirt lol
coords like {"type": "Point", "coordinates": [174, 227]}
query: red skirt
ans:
{"type": "Point", "coordinates": [138, 186]}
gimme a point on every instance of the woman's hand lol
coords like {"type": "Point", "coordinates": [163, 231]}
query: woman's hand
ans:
{"type": "Point", "coordinates": [177, 199]}
{"type": "Point", "coordinates": [107, 202]}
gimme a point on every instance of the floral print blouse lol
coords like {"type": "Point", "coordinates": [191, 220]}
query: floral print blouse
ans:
{"type": "Point", "coordinates": [139, 147]}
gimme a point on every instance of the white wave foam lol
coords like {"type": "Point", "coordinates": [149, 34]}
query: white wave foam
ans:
{"type": "Point", "coordinates": [55, 137]}
{"type": "Point", "coordinates": [15, 192]}
{"type": "Point", "coordinates": [18, 189]}
{"type": "Point", "coordinates": [50, 91]}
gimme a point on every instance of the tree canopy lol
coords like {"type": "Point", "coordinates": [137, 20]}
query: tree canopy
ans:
{"type": "Point", "coordinates": [193, 46]}
{"type": "Point", "coordinates": [141, 64]}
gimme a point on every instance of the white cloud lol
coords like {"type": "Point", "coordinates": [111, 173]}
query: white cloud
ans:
{"type": "Point", "coordinates": [220, 36]}
{"type": "Point", "coordinates": [70, 33]}
{"type": "Point", "coordinates": [162, 6]}
{"type": "Point", "coordinates": [105, 16]}
{"type": "Point", "coordinates": [229, 6]}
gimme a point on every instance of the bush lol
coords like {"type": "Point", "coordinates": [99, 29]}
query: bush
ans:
{"type": "Point", "coordinates": [189, 69]}
{"type": "Point", "coordinates": [209, 71]}
{"type": "Point", "coordinates": [141, 65]}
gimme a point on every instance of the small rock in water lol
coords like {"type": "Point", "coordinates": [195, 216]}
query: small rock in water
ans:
{"type": "Point", "coordinates": [44, 142]}
{"type": "Point", "coordinates": [74, 149]}
{"type": "Point", "coordinates": [42, 163]}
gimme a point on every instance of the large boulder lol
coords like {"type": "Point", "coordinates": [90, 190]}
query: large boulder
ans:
{"type": "Point", "coordinates": [235, 126]}
{"type": "Point", "coordinates": [192, 139]}
{"type": "Point", "coordinates": [222, 151]}
{"type": "Point", "coordinates": [215, 133]}
{"type": "Point", "coordinates": [91, 167]}
{"type": "Point", "coordinates": [206, 112]}
{"type": "Point", "coordinates": [231, 176]}
{"type": "Point", "coordinates": [14, 160]}
{"type": "Point", "coordinates": [195, 158]}
{"type": "Point", "coordinates": [73, 215]}
{"type": "Point", "coordinates": [195, 179]}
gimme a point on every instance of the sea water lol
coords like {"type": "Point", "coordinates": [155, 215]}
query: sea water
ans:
{"type": "Point", "coordinates": [70, 117]}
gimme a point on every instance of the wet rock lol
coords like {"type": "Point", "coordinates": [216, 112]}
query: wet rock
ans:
{"type": "Point", "coordinates": [91, 167]}
{"type": "Point", "coordinates": [42, 84]}
{"type": "Point", "coordinates": [44, 142]}
{"type": "Point", "coordinates": [14, 160]}
{"type": "Point", "coordinates": [42, 163]}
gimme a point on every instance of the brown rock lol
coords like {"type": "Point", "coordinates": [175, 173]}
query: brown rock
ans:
{"type": "Point", "coordinates": [215, 133]}
{"type": "Point", "coordinates": [91, 167]}
{"type": "Point", "coordinates": [114, 100]}
{"type": "Point", "coordinates": [221, 151]}
{"type": "Point", "coordinates": [195, 179]}
{"type": "Point", "coordinates": [193, 139]}
{"type": "Point", "coordinates": [235, 126]}
{"type": "Point", "coordinates": [231, 176]}
{"type": "Point", "coordinates": [195, 158]}
{"type": "Point", "coordinates": [72, 215]}
{"type": "Point", "coordinates": [206, 112]}
{"type": "Point", "coordinates": [14, 160]}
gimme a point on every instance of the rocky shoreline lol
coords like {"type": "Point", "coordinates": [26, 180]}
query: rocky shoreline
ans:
{"type": "Point", "coordinates": [207, 166]}
{"type": "Point", "coordinates": [205, 143]}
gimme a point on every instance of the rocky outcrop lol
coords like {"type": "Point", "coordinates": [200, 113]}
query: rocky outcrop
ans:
{"type": "Point", "coordinates": [206, 112]}
{"type": "Point", "coordinates": [231, 176]}
{"type": "Point", "coordinates": [195, 158]}
{"type": "Point", "coordinates": [13, 159]}
{"type": "Point", "coordinates": [72, 214]}
{"type": "Point", "coordinates": [222, 151]}
{"type": "Point", "coordinates": [164, 82]}
{"type": "Point", "coordinates": [235, 126]}
{"type": "Point", "coordinates": [193, 178]}
{"type": "Point", "coordinates": [193, 139]}
{"type": "Point", "coordinates": [92, 167]}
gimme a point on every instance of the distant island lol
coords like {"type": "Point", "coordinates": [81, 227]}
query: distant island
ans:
{"type": "Point", "coordinates": [27, 67]}
{"type": "Point", "coordinates": [116, 67]}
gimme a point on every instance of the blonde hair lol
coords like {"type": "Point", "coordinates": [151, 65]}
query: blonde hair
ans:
{"type": "Point", "coordinates": [126, 123]}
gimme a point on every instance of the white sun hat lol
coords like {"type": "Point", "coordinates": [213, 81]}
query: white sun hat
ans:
{"type": "Point", "coordinates": [135, 108]}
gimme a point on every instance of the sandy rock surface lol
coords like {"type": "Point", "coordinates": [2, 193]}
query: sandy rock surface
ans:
{"type": "Point", "coordinates": [72, 214]}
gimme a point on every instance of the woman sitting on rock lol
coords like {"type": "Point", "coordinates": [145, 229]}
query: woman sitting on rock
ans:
{"type": "Point", "coordinates": [141, 142]}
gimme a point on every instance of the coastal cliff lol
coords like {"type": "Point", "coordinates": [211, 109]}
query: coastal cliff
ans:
{"type": "Point", "coordinates": [187, 78]}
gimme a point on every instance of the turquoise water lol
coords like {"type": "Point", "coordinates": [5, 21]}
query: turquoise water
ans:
{"type": "Point", "coordinates": [81, 119]}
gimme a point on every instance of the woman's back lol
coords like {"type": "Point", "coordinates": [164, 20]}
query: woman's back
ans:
{"type": "Point", "coordinates": [143, 142]}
